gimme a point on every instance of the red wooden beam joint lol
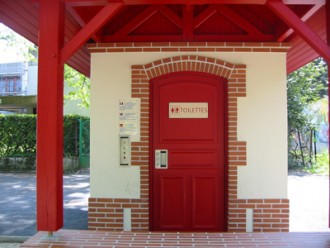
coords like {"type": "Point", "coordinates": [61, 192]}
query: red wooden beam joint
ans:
{"type": "Point", "coordinates": [294, 22]}
{"type": "Point", "coordinates": [90, 29]}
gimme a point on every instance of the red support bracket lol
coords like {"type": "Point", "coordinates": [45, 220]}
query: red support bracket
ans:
{"type": "Point", "coordinates": [89, 29]}
{"type": "Point", "coordinates": [136, 22]}
{"type": "Point", "coordinates": [294, 22]}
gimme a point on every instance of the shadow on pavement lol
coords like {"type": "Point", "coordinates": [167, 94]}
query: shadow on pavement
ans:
{"type": "Point", "coordinates": [18, 203]}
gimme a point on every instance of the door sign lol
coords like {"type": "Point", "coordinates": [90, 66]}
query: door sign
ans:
{"type": "Point", "coordinates": [192, 110]}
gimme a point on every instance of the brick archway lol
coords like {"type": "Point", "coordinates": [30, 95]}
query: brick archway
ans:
{"type": "Point", "coordinates": [197, 64]}
{"type": "Point", "coordinates": [236, 76]}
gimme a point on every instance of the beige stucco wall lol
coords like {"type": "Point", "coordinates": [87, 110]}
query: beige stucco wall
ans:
{"type": "Point", "coordinates": [262, 123]}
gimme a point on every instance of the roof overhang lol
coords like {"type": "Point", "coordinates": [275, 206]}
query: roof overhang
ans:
{"type": "Point", "coordinates": [301, 22]}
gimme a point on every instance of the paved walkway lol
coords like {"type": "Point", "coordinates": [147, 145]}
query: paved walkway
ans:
{"type": "Point", "coordinates": [309, 198]}
{"type": "Point", "coordinates": [309, 203]}
{"type": "Point", "coordinates": [89, 239]}
{"type": "Point", "coordinates": [18, 203]}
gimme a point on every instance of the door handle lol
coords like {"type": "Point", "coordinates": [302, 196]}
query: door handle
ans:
{"type": "Point", "coordinates": [161, 159]}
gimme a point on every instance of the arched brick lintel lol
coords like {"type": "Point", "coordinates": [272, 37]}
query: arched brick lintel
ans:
{"type": "Point", "coordinates": [191, 63]}
{"type": "Point", "coordinates": [236, 87]}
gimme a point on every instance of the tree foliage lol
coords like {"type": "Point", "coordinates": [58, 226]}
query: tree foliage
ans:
{"type": "Point", "coordinates": [80, 86]}
{"type": "Point", "coordinates": [305, 86]}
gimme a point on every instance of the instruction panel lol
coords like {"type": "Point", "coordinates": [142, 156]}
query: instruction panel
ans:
{"type": "Point", "coordinates": [129, 118]}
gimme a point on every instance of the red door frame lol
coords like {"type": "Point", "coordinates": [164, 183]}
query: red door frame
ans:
{"type": "Point", "coordinates": [152, 155]}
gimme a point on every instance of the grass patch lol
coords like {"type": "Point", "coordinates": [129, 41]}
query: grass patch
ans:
{"type": "Point", "coordinates": [321, 165]}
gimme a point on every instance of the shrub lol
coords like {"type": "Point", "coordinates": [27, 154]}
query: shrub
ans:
{"type": "Point", "coordinates": [18, 135]}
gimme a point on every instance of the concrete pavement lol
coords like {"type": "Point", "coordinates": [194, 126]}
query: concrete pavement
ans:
{"type": "Point", "coordinates": [309, 198]}
{"type": "Point", "coordinates": [309, 203]}
{"type": "Point", "coordinates": [18, 203]}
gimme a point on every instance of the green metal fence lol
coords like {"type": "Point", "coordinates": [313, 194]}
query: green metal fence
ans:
{"type": "Point", "coordinates": [84, 144]}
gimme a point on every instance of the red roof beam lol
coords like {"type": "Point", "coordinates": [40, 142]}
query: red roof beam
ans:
{"type": "Point", "coordinates": [188, 22]}
{"type": "Point", "coordinates": [304, 18]}
{"type": "Point", "coordinates": [81, 22]}
{"type": "Point", "coordinates": [238, 20]}
{"type": "Point", "coordinates": [192, 2]}
{"type": "Point", "coordinates": [169, 14]}
{"type": "Point", "coordinates": [90, 29]}
{"type": "Point", "coordinates": [304, 2]}
{"type": "Point", "coordinates": [308, 35]}
{"type": "Point", "coordinates": [136, 22]}
{"type": "Point", "coordinates": [206, 14]}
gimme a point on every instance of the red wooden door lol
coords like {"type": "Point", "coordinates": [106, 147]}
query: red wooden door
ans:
{"type": "Point", "coordinates": [188, 120]}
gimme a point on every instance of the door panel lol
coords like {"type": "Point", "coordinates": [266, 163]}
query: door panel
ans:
{"type": "Point", "coordinates": [205, 202]}
{"type": "Point", "coordinates": [172, 201]}
{"type": "Point", "coordinates": [188, 120]}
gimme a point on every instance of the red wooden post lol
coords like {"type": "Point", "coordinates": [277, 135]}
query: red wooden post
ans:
{"type": "Point", "coordinates": [50, 117]}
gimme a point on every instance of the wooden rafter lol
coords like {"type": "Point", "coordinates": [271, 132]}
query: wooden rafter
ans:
{"type": "Point", "coordinates": [304, 18]}
{"type": "Point", "coordinates": [169, 14]}
{"type": "Point", "coordinates": [89, 29]}
{"type": "Point", "coordinates": [204, 16]}
{"type": "Point", "coordinates": [188, 20]}
{"type": "Point", "coordinates": [238, 20]}
{"type": "Point", "coordinates": [136, 22]}
{"type": "Point", "coordinates": [81, 22]}
{"type": "Point", "coordinates": [293, 21]}
{"type": "Point", "coordinates": [197, 37]}
{"type": "Point", "coordinates": [188, 23]}
{"type": "Point", "coordinates": [160, 2]}
{"type": "Point", "coordinates": [196, 2]}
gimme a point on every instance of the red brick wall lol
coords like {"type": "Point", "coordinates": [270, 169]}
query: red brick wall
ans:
{"type": "Point", "coordinates": [269, 214]}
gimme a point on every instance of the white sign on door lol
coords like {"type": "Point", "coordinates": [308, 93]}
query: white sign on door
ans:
{"type": "Point", "coordinates": [188, 110]}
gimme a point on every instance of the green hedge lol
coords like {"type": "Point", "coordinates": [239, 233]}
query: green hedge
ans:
{"type": "Point", "coordinates": [18, 135]}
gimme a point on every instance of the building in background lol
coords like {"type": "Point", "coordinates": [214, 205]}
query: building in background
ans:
{"type": "Point", "coordinates": [19, 87]}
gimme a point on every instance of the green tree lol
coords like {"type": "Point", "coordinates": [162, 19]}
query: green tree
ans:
{"type": "Point", "coordinates": [304, 87]}
{"type": "Point", "coordinates": [80, 85]}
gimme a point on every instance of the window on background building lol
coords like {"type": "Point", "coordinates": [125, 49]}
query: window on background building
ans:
{"type": "Point", "coordinates": [10, 85]}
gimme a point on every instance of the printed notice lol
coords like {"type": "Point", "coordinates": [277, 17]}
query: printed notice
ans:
{"type": "Point", "coordinates": [129, 118]}
{"type": "Point", "coordinates": [188, 110]}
